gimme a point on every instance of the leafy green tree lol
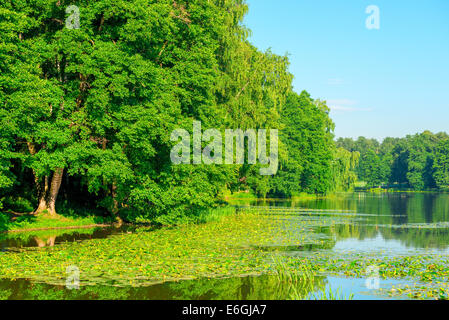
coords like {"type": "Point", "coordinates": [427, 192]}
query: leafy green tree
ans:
{"type": "Point", "coordinates": [441, 165]}
{"type": "Point", "coordinates": [91, 110]}
{"type": "Point", "coordinates": [420, 160]}
{"type": "Point", "coordinates": [307, 136]}
{"type": "Point", "coordinates": [343, 169]}
{"type": "Point", "coordinates": [371, 168]}
{"type": "Point", "coordinates": [399, 167]}
{"type": "Point", "coordinates": [405, 161]}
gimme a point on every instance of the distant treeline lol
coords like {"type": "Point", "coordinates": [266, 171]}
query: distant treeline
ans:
{"type": "Point", "coordinates": [86, 114]}
{"type": "Point", "coordinates": [419, 161]}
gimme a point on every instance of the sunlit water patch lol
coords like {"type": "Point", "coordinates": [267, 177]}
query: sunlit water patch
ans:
{"type": "Point", "coordinates": [380, 245]}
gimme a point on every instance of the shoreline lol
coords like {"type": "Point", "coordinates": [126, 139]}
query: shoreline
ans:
{"type": "Point", "coordinates": [57, 228]}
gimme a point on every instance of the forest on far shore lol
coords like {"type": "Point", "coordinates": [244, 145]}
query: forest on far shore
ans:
{"type": "Point", "coordinates": [418, 162]}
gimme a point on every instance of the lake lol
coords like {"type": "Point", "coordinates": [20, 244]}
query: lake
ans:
{"type": "Point", "coordinates": [394, 222]}
{"type": "Point", "coordinates": [344, 228]}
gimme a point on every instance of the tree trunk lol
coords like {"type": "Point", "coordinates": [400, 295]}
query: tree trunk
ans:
{"type": "Point", "coordinates": [42, 191]}
{"type": "Point", "coordinates": [41, 188]}
{"type": "Point", "coordinates": [118, 220]}
{"type": "Point", "coordinates": [54, 190]}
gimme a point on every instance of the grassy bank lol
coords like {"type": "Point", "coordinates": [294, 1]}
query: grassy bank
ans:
{"type": "Point", "coordinates": [237, 196]}
{"type": "Point", "coordinates": [17, 216]}
{"type": "Point", "coordinates": [76, 217]}
{"type": "Point", "coordinates": [27, 222]}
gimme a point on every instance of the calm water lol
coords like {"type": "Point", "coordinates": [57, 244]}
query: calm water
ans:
{"type": "Point", "coordinates": [393, 223]}
{"type": "Point", "coordinates": [381, 224]}
{"type": "Point", "coordinates": [241, 288]}
{"type": "Point", "coordinates": [50, 238]}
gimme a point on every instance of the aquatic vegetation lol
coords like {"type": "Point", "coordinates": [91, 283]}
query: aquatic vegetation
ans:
{"type": "Point", "coordinates": [214, 215]}
{"type": "Point", "coordinates": [301, 280]}
{"type": "Point", "coordinates": [284, 274]}
{"type": "Point", "coordinates": [301, 276]}
{"type": "Point", "coordinates": [423, 268]}
{"type": "Point", "coordinates": [430, 271]}
{"type": "Point", "coordinates": [216, 249]}
{"type": "Point", "coordinates": [288, 250]}
{"type": "Point", "coordinates": [438, 291]}
{"type": "Point", "coordinates": [330, 294]}
{"type": "Point", "coordinates": [437, 225]}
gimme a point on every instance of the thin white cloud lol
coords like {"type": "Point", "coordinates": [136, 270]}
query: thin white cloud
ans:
{"type": "Point", "coordinates": [335, 81]}
{"type": "Point", "coordinates": [346, 105]}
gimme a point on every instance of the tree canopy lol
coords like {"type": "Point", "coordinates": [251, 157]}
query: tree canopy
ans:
{"type": "Point", "coordinates": [86, 113]}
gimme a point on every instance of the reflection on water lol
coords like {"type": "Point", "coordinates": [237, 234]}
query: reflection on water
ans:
{"type": "Point", "coordinates": [45, 242]}
{"type": "Point", "coordinates": [390, 222]}
{"type": "Point", "coordinates": [379, 243]}
{"type": "Point", "coordinates": [49, 238]}
{"type": "Point", "coordinates": [395, 222]}
{"type": "Point", "coordinates": [240, 288]}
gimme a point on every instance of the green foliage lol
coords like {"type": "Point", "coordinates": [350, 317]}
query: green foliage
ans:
{"type": "Point", "coordinates": [213, 260]}
{"type": "Point", "coordinates": [370, 168]}
{"type": "Point", "coordinates": [343, 168]}
{"type": "Point", "coordinates": [441, 165]}
{"type": "Point", "coordinates": [416, 161]}
{"type": "Point", "coordinates": [18, 204]}
{"type": "Point", "coordinates": [307, 136]}
{"type": "Point", "coordinates": [101, 101]}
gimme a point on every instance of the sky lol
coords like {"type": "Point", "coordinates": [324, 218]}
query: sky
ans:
{"type": "Point", "coordinates": [385, 82]}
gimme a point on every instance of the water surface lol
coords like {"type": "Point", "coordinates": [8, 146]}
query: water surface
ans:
{"type": "Point", "coordinates": [386, 224]}
{"type": "Point", "coordinates": [393, 223]}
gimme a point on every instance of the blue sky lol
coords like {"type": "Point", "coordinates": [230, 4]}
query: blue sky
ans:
{"type": "Point", "coordinates": [392, 81]}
